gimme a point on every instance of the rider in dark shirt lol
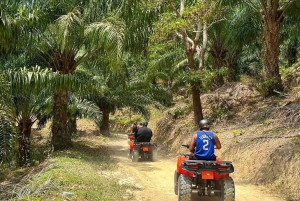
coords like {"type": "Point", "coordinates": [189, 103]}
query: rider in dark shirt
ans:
{"type": "Point", "coordinates": [144, 134]}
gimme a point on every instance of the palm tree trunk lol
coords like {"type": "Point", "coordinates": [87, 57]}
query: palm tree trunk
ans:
{"type": "Point", "coordinates": [23, 151]}
{"type": "Point", "coordinates": [104, 128]}
{"type": "Point", "coordinates": [61, 138]}
{"type": "Point", "coordinates": [271, 76]}
{"type": "Point", "coordinates": [24, 127]}
{"type": "Point", "coordinates": [72, 124]}
{"type": "Point", "coordinates": [218, 54]}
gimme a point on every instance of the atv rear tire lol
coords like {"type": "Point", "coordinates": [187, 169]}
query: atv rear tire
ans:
{"type": "Point", "coordinates": [135, 156]}
{"type": "Point", "coordinates": [154, 155]}
{"type": "Point", "coordinates": [227, 189]}
{"type": "Point", "coordinates": [184, 188]}
{"type": "Point", "coordinates": [176, 175]}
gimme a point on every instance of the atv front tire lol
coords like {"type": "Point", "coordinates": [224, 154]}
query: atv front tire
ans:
{"type": "Point", "coordinates": [184, 188]}
{"type": "Point", "coordinates": [227, 189]}
{"type": "Point", "coordinates": [135, 156]}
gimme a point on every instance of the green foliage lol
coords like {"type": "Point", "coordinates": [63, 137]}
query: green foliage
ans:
{"type": "Point", "coordinates": [175, 114]}
{"type": "Point", "coordinates": [218, 113]}
{"type": "Point", "coordinates": [297, 139]}
{"type": "Point", "coordinates": [195, 12]}
{"type": "Point", "coordinates": [179, 111]}
{"type": "Point", "coordinates": [7, 126]}
{"type": "Point", "coordinates": [265, 86]}
{"type": "Point", "coordinates": [236, 133]}
{"type": "Point", "coordinates": [85, 172]}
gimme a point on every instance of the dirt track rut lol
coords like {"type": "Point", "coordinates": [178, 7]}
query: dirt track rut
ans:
{"type": "Point", "coordinates": [154, 180]}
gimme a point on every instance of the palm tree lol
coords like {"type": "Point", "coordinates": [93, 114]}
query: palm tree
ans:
{"type": "Point", "coordinates": [272, 14]}
{"type": "Point", "coordinates": [227, 39]}
{"type": "Point", "coordinates": [290, 39]}
{"type": "Point", "coordinates": [28, 87]}
{"type": "Point", "coordinates": [81, 108]}
{"type": "Point", "coordinates": [67, 44]}
{"type": "Point", "coordinates": [167, 63]}
{"type": "Point", "coordinates": [7, 126]}
{"type": "Point", "coordinates": [10, 29]}
{"type": "Point", "coordinates": [111, 91]}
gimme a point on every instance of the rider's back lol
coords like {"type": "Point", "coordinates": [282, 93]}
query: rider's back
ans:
{"type": "Point", "coordinates": [144, 134]}
{"type": "Point", "coordinates": [205, 142]}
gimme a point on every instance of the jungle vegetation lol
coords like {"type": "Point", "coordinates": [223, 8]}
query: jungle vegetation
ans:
{"type": "Point", "coordinates": [63, 60]}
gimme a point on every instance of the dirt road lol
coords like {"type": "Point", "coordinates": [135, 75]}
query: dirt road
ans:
{"type": "Point", "coordinates": [154, 180]}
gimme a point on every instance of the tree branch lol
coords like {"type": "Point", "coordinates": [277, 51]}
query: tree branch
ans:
{"type": "Point", "coordinates": [173, 7]}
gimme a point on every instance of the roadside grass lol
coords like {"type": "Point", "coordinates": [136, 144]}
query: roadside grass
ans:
{"type": "Point", "coordinates": [75, 174]}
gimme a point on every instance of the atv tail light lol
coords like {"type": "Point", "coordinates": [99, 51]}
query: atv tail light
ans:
{"type": "Point", "coordinates": [145, 148]}
{"type": "Point", "coordinates": [193, 167]}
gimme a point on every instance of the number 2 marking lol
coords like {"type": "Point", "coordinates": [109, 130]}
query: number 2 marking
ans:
{"type": "Point", "coordinates": [205, 145]}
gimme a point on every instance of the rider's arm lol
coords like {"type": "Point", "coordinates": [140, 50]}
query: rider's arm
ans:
{"type": "Point", "coordinates": [131, 129]}
{"type": "Point", "coordinates": [192, 144]}
{"type": "Point", "coordinates": [218, 143]}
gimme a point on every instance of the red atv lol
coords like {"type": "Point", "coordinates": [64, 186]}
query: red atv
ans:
{"type": "Point", "coordinates": [147, 150]}
{"type": "Point", "coordinates": [207, 178]}
{"type": "Point", "coordinates": [130, 140]}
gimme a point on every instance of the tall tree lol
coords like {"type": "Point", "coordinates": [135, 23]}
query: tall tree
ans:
{"type": "Point", "coordinates": [228, 39]}
{"type": "Point", "coordinates": [191, 21]}
{"type": "Point", "coordinates": [68, 43]}
{"type": "Point", "coordinates": [272, 14]}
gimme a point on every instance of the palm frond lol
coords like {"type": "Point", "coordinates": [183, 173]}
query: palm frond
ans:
{"type": "Point", "coordinates": [109, 34]}
{"type": "Point", "coordinates": [7, 128]}
{"type": "Point", "coordinates": [85, 109]}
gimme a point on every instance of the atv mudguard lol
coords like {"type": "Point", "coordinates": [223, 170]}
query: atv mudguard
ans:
{"type": "Point", "coordinates": [180, 160]}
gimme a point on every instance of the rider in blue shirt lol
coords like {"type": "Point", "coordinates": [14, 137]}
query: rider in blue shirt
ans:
{"type": "Point", "coordinates": [204, 142]}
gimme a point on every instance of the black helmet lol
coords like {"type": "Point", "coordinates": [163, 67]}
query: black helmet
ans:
{"type": "Point", "coordinates": [204, 124]}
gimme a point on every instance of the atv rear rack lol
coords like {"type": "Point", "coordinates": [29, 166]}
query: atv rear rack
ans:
{"type": "Point", "coordinates": [145, 144]}
{"type": "Point", "coordinates": [197, 166]}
